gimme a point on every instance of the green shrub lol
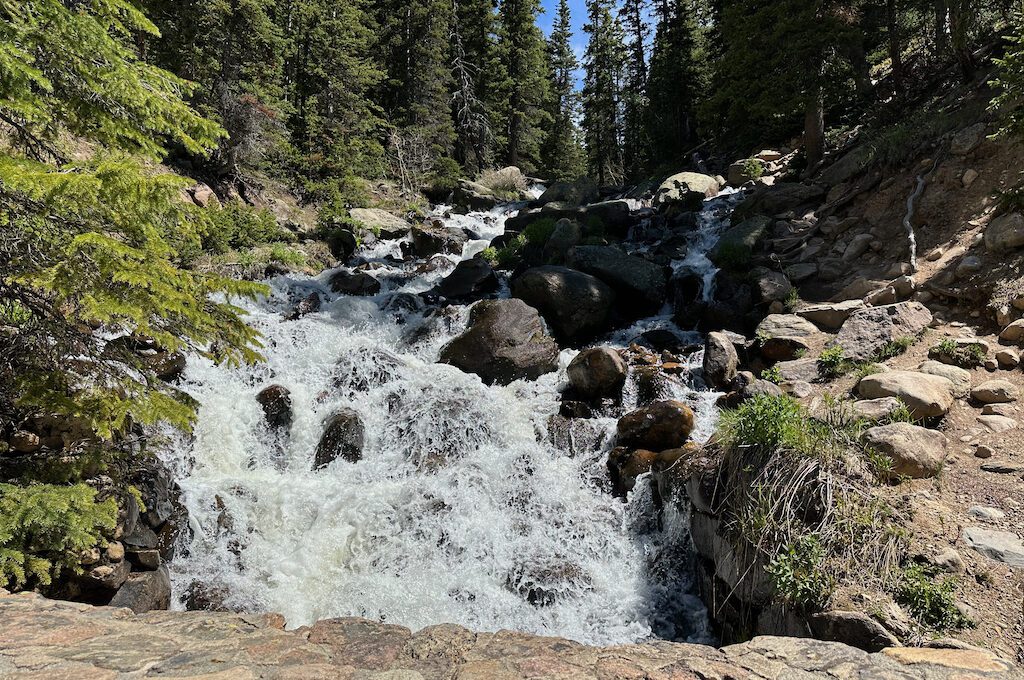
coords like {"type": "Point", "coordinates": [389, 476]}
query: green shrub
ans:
{"type": "Point", "coordinates": [893, 348]}
{"type": "Point", "coordinates": [929, 599]}
{"type": "Point", "coordinates": [832, 363]}
{"type": "Point", "coordinates": [965, 356]}
{"type": "Point", "coordinates": [772, 375]}
{"type": "Point", "coordinates": [538, 232]}
{"type": "Point", "coordinates": [766, 422]}
{"type": "Point", "coordinates": [753, 168]}
{"type": "Point", "coordinates": [445, 175]}
{"type": "Point", "coordinates": [900, 414]}
{"type": "Point", "coordinates": [508, 256]}
{"type": "Point", "coordinates": [44, 529]}
{"type": "Point", "coordinates": [800, 576]}
{"type": "Point", "coordinates": [236, 226]}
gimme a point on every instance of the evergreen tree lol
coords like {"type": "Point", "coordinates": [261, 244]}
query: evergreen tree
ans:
{"type": "Point", "coordinates": [94, 242]}
{"type": "Point", "coordinates": [674, 84]}
{"type": "Point", "coordinates": [475, 69]}
{"type": "Point", "coordinates": [562, 154]}
{"type": "Point", "coordinates": [602, 111]}
{"type": "Point", "coordinates": [525, 90]}
{"type": "Point", "coordinates": [636, 147]}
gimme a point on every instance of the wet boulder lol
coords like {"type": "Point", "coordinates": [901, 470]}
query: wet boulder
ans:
{"type": "Point", "coordinates": [473, 197]}
{"type": "Point", "coordinates": [737, 245]}
{"type": "Point", "coordinates": [575, 305]}
{"type": "Point", "coordinates": [575, 193]}
{"type": "Point", "coordinates": [145, 591]}
{"type": "Point", "coordinates": [721, 361]}
{"type": "Point", "coordinates": [344, 437]}
{"type": "Point", "coordinates": [686, 190]}
{"type": "Point", "coordinates": [276, 402]}
{"type": "Point", "coordinates": [342, 244]}
{"type": "Point", "coordinates": [659, 426]}
{"type": "Point", "coordinates": [596, 373]}
{"type": "Point", "coordinates": [626, 465]}
{"type": "Point", "coordinates": [383, 224]}
{"type": "Point", "coordinates": [643, 284]}
{"type": "Point", "coordinates": [505, 342]}
{"type": "Point", "coordinates": [470, 280]}
{"type": "Point", "coordinates": [308, 305]}
{"type": "Point", "coordinates": [354, 283]}
{"type": "Point", "coordinates": [435, 238]}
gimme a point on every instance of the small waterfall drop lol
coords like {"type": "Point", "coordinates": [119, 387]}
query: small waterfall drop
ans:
{"type": "Point", "coordinates": [462, 509]}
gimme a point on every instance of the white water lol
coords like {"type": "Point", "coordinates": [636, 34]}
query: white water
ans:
{"type": "Point", "coordinates": [459, 507]}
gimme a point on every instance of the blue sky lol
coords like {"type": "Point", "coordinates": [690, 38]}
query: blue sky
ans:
{"type": "Point", "coordinates": [578, 9]}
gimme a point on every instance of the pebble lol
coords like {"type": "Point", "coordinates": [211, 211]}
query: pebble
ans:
{"type": "Point", "coordinates": [984, 451]}
{"type": "Point", "coordinates": [986, 513]}
{"type": "Point", "coordinates": [1008, 359]}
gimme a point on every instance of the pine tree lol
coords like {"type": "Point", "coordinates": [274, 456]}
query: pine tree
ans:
{"type": "Point", "coordinates": [674, 84]}
{"type": "Point", "coordinates": [602, 114]}
{"type": "Point", "coordinates": [525, 91]}
{"type": "Point", "coordinates": [95, 241]}
{"type": "Point", "coordinates": [562, 154]}
{"type": "Point", "coordinates": [636, 146]}
{"type": "Point", "coordinates": [475, 69]}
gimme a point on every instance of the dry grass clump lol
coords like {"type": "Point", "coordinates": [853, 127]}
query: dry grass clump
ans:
{"type": "Point", "coordinates": [506, 181]}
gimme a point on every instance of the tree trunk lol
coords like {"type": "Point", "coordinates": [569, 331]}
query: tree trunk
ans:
{"type": "Point", "coordinates": [895, 49]}
{"type": "Point", "coordinates": [960, 18]}
{"type": "Point", "coordinates": [941, 8]}
{"type": "Point", "coordinates": [814, 132]}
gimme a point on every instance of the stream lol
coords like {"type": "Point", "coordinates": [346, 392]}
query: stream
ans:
{"type": "Point", "coordinates": [462, 510]}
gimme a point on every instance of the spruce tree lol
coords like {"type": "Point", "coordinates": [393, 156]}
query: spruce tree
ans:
{"type": "Point", "coordinates": [602, 110]}
{"type": "Point", "coordinates": [475, 69]}
{"type": "Point", "coordinates": [94, 242]}
{"type": "Point", "coordinates": [525, 92]}
{"type": "Point", "coordinates": [674, 84]}
{"type": "Point", "coordinates": [636, 146]}
{"type": "Point", "coordinates": [562, 154]}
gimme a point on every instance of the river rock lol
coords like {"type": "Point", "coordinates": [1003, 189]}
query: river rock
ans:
{"type": "Point", "coordinates": [615, 216]}
{"type": "Point", "coordinates": [1005, 233]}
{"type": "Point", "coordinates": [830, 316]}
{"type": "Point", "coordinates": [1001, 546]}
{"type": "Point", "coordinates": [344, 437]}
{"type": "Point", "coordinates": [856, 629]}
{"type": "Point", "coordinates": [473, 197]}
{"type": "Point", "coordinates": [145, 591]}
{"type": "Point", "coordinates": [626, 465]}
{"type": "Point", "coordinates": [505, 342]}
{"type": "Point", "coordinates": [640, 282]}
{"type": "Point", "coordinates": [104, 579]}
{"type": "Point", "coordinates": [470, 280]}
{"type": "Point", "coordinates": [995, 392]}
{"type": "Point", "coordinates": [567, 234]}
{"type": "Point", "coordinates": [598, 372]}
{"type": "Point", "coordinates": [570, 194]}
{"type": "Point", "coordinates": [575, 305]}
{"type": "Point", "coordinates": [915, 451]}
{"type": "Point", "coordinates": [739, 242]}
{"type": "Point", "coordinates": [276, 402]}
{"type": "Point", "coordinates": [308, 305]}
{"type": "Point", "coordinates": [432, 239]}
{"type": "Point", "coordinates": [721, 361]}
{"type": "Point", "coordinates": [659, 426]}
{"type": "Point", "coordinates": [869, 330]}
{"type": "Point", "coordinates": [354, 283]}
{"type": "Point", "coordinates": [342, 243]}
{"type": "Point", "coordinates": [961, 378]}
{"type": "Point", "coordinates": [927, 396]}
{"type": "Point", "coordinates": [686, 190]}
{"type": "Point", "coordinates": [383, 224]}
{"type": "Point", "coordinates": [799, 370]}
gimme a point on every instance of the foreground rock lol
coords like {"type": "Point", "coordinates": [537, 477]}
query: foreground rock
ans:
{"type": "Point", "coordinates": [505, 342]}
{"type": "Point", "coordinates": [1001, 546]}
{"type": "Point", "coordinates": [344, 437]}
{"type": "Point", "coordinates": [868, 331]}
{"type": "Point", "coordinates": [575, 305]}
{"type": "Point", "coordinates": [641, 284]}
{"type": "Point", "coordinates": [927, 396]}
{"type": "Point", "coordinates": [659, 426]}
{"type": "Point", "coordinates": [720, 361]}
{"type": "Point", "coordinates": [914, 451]}
{"type": "Point", "coordinates": [596, 373]}
{"type": "Point", "coordinates": [43, 638]}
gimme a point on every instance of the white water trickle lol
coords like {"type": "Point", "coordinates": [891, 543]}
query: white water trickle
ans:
{"type": "Point", "coordinates": [461, 509]}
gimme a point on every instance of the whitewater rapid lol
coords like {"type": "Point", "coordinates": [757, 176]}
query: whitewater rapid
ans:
{"type": "Point", "coordinates": [462, 510]}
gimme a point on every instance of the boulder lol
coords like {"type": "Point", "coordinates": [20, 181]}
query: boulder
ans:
{"type": "Point", "coordinates": [967, 140]}
{"type": "Point", "coordinates": [276, 402]}
{"type": "Point", "coordinates": [642, 283]}
{"type": "Point", "coordinates": [354, 283]}
{"type": "Point", "coordinates": [307, 305]}
{"type": "Point", "coordinates": [853, 628]}
{"type": "Point", "coordinates": [785, 326]}
{"type": "Point", "coordinates": [596, 373]}
{"type": "Point", "coordinates": [830, 316]}
{"type": "Point", "coordinates": [432, 239]}
{"type": "Point", "coordinates": [686, 190]}
{"type": "Point", "coordinates": [1005, 233]}
{"type": "Point", "coordinates": [927, 396]}
{"type": "Point", "coordinates": [575, 305]}
{"type": "Point", "coordinates": [145, 591]}
{"type": "Point", "coordinates": [770, 286]}
{"type": "Point", "coordinates": [799, 370]}
{"type": "Point", "coordinates": [784, 348]}
{"type": "Point", "coordinates": [505, 342]}
{"type": "Point", "coordinates": [738, 243]}
{"type": "Point", "coordinates": [995, 392]}
{"type": "Point", "coordinates": [1014, 332]}
{"type": "Point", "coordinates": [615, 216]}
{"type": "Point", "coordinates": [744, 171]}
{"type": "Point", "coordinates": [720, 361]}
{"type": "Point", "coordinates": [567, 234]}
{"type": "Point", "coordinates": [571, 194]}
{"type": "Point", "coordinates": [915, 451]}
{"type": "Point", "coordinates": [875, 410]}
{"type": "Point", "coordinates": [960, 377]}
{"type": "Point", "coordinates": [473, 197]}
{"type": "Point", "coordinates": [382, 223]}
{"type": "Point", "coordinates": [659, 426]}
{"type": "Point", "coordinates": [470, 280]}
{"type": "Point", "coordinates": [847, 167]}
{"type": "Point", "coordinates": [344, 437]}
{"type": "Point", "coordinates": [626, 465]}
{"type": "Point", "coordinates": [869, 330]}
{"type": "Point", "coordinates": [777, 199]}
{"type": "Point", "coordinates": [342, 243]}
{"type": "Point", "coordinates": [1001, 546]}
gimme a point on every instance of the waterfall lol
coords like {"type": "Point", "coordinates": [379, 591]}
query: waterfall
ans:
{"type": "Point", "coordinates": [462, 510]}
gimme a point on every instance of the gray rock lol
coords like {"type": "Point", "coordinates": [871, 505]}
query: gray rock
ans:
{"type": "Point", "coordinates": [576, 306]}
{"type": "Point", "coordinates": [471, 196]}
{"type": "Point", "coordinates": [641, 282]}
{"type": "Point", "coordinates": [145, 591]}
{"type": "Point", "coordinates": [847, 167]}
{"type": "Point", "coordinates": [569, 193]}
{"type": "Point", "coordinates": [986, 513]}
{"type": "Point", "coordinates": [777, 199]}
{"type": "Point", "coordinates": [686, 190]}
{"type": "Point", "coordinates": [869, 330]}
{"type": "Point", "coordinates": [470, 280]}
{"type": "Point", "coordinates": [785, 326]}
{"type": "Point", "coordinates": [344, 437]}
{"type": "Point", "coordinates": [741, 240]}
{"type": "Point", "coordinates": [720, 361]}
{"type": "Point", "coordinates": [770, 286]}
{"type": "Point", "coordinates": [830, 316]}
{"type": "Point", "coordinates": [961, 378]}
{"type": "Point", "coordinates": [857, 247]}
{"type": "Point", "coordinates": [799, 370]}
{"type": "Point", "coordinates": [1001, 546]}
{"type": "Point", "coordinates": [927, 396]}
{"type": "Point", "coordinates": [967, 140]}
{"type": "Point", "coordinates": [430, 240]}
{"type": "Point", "coordinates": [995, 392]}
{"type": "Point", "coordinates": [1005, 233]}
{"type": "Point", "coordinates": [856, 629]}
{"type": "Point", "coordinates": [876, 410]}
{"type": "Point", "coordinates": [505, 342]}
{"type": "Point", "coordinates": [915, 451]}
{"type": "Point", "coordinates": [597, 372]}
{"type": "Point", "coordinates": [382, 223]}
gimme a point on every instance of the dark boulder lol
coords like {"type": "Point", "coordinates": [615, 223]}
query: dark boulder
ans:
{"type": "Point", "coordinates": [344, 437]}
{"type": "Point", "coordinates": [308, 305]}
{"type": "Point", "coordinates": [659, 426]}
{"type": "Point", "coordinates": [354, 283]}
{"type": "Point", "coordinates": [777, 199]}
{"type": "Point", "coordinates": [342, 244]}
{"type": "Point", "coordinates": [433, 239]}
{"type": "Point", "coordinates": [470, 280]}
{"type": "Point", "coordinates": [276, 402]}
{"type": "Point", "coordinates": [598, 372]}
{"type": "Point", "coordinates": [641, 284]}
{"type": "Point", "coordinates": [145, 591]}
{"type": "Point", "coordinates": [505, 342]}
{"type": "Point", "coordinates": [576, 305]}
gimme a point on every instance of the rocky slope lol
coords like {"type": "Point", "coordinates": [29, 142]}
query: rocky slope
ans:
{"type": "Point", "coordinates": [46, 639]}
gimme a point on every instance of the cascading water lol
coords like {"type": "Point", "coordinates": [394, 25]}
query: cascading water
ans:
{"type": "Point", "coordinates": [461, 509]}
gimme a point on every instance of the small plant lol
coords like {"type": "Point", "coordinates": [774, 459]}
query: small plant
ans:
{"type": "Point", "coordinates": [929, 599]}
{"type": "Point", "coordinates": [490, 254]}
{"type": "Point", "coordinates": [538, 232]}
{"type": "Point", "coordinates": [799, 575]}
{"type": "Point", "coordinates": [963, 355]}
{"type": "Point", "coordinates": [508, 256]}
{"type": "Point", "coordinates": [766, 422]}
{"type": "Point", "coordinates": [507, 182]}
{"type": "Point", "coordinates": [772, 375]}
{"type": "Point", "coordinates": [900, 414]}
{"type": "Point", "coordinates": [893, 348]}
{"type": "Point", "coordinates": [792, 300]}
{"type": "Point", "coordinates": [862, 371]}
{"type": "Point", "coordinates": [753, 168]}
{"type": "Point", "coordinates": [832, 363]}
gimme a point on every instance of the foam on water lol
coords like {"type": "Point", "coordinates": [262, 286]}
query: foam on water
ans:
{"type": "Point", "coordinates": [461, 509]}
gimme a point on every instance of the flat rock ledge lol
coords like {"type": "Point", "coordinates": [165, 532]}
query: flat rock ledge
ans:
{"type": "Point", "coordinates": [42, 638]}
